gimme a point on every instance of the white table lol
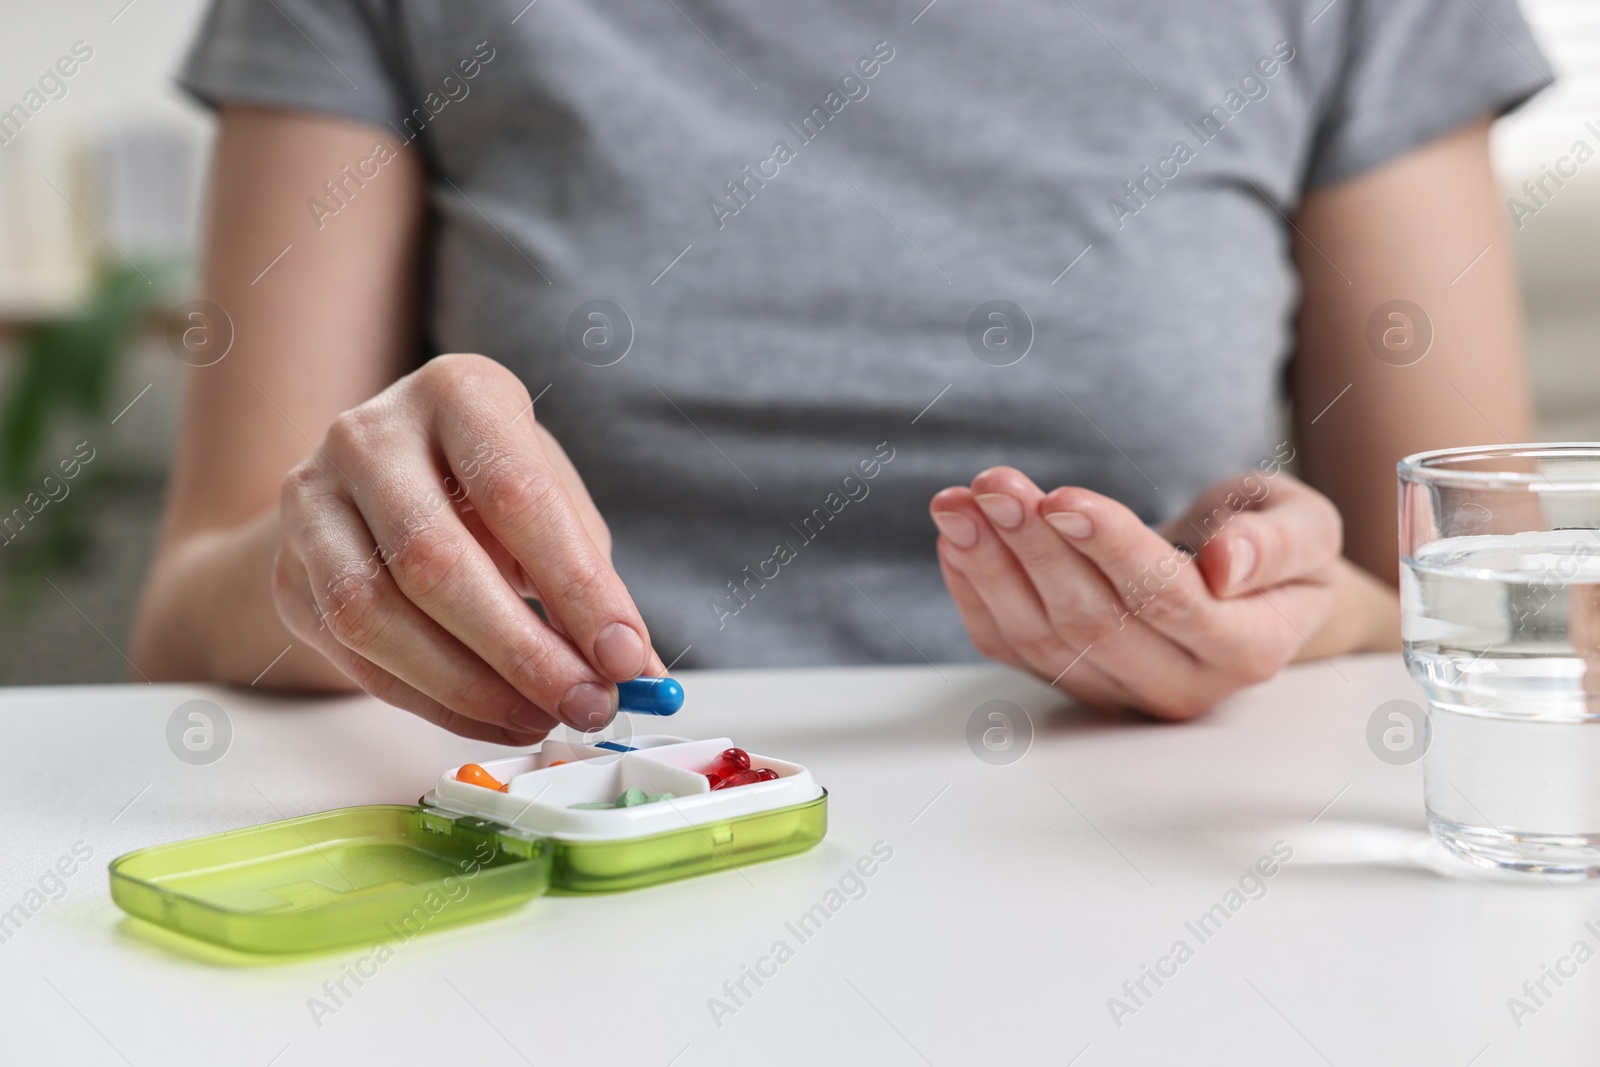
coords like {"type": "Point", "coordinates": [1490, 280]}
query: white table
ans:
{"type": "Point", "coordinates": [1018, 898]}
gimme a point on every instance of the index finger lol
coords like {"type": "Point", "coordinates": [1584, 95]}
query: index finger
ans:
{"type": "Point", "coordinates": [1154, 576]}
{"type": "Point", "coordinates": [524, 503]}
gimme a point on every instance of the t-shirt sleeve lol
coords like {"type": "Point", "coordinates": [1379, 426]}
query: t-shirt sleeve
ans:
{"type": "Point", "coordinates": [1416, 69]}
{"type": "Point", "coordinates": [329, 56]}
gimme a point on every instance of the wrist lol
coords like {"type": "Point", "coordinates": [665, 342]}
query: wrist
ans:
{"type": "Point", "coordinates": [183, 626]}
{"type": "Point", "coordinates": [208, 614]}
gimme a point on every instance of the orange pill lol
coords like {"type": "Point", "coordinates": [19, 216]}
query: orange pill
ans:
{"type": "Point", "coordinates": [473, 774]}
{"type": "Point", "coordinates": [559, 763]}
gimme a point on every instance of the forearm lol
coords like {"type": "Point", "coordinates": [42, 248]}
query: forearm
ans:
{"type": "Point", "coordinates": [1372, 381]}
{"type": "Point", "coordinates": [1365, 617]}
{"type": "Point", "coordinates": [208, 614]}
{"type": "Point", "coordinates": [325, 330]}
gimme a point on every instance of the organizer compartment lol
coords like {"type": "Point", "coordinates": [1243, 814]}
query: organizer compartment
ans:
{"type": "Point", "coordinates": [697, 755]}
{"type": "Point", "coordinates": [541, 800]}
{"type": "Point", "coordinates": [538, 800]}
{"type": "Point", "coordinates": [553, 751]}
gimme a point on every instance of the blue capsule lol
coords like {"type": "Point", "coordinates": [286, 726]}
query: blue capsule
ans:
{"type": "Point", "coordinates": [650, 696]}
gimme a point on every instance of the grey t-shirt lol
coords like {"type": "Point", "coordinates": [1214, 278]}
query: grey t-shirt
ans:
{"type": "Point", "coordinates": [778, 273]}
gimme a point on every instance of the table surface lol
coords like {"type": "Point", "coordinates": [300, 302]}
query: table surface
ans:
{"type": "Point", "coordinates": [1015, 902]}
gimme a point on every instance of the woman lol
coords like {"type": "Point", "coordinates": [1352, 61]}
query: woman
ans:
{"type": "Point", "coordinates": [748, 290]}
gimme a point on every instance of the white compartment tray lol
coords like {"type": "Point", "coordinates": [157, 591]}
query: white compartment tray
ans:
{"type": "Point", "coordinates": [539, 795]}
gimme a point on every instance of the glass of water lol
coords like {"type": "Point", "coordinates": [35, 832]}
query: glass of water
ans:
{"type": "Point", "coordinates": [1500, 607]}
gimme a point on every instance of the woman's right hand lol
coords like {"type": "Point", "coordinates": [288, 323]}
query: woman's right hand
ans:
{"type": "Point", "coordinates": [410, 537]}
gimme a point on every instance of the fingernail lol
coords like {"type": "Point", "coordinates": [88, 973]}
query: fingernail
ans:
{"type": "Point", "coordinates": [1074, 524]}
{"type": "Point", "coordinates": [1004, 511]}
{"type": "Point", "coordinates": [1244, 562]}
{"type": "Point", "coordinates": [588, 706]}
{"type": "Point", "coordinates": [620, 651]}
{"type": "Point", "coordinates": [961, 530]}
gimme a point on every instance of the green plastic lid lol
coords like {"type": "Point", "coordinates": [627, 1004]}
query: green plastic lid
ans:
{"type": "Point", "coordinates": [339, 877]}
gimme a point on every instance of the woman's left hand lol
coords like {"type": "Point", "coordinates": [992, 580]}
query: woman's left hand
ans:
{"type": "Point", "coordinates": [1075, 588]}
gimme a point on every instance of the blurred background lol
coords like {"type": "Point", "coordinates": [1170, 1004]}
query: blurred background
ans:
{"type": "Point", "coordinates": [99, 209]}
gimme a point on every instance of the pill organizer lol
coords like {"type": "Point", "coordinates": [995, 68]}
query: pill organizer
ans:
{"type": "Point", "coordinates": [382, 872]}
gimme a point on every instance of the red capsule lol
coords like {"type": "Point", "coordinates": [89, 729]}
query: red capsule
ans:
{"type": "Point", "coordinates": [746, 777]}
{"type": "Point", "coordinates": [732, 761]}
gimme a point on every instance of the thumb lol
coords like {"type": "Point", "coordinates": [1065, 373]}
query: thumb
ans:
{"type": "Point", "coordinates": [1252, 532]}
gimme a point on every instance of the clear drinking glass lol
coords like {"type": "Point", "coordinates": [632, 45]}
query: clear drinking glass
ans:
{"type": "Point", "coordinates": [1500, 609]}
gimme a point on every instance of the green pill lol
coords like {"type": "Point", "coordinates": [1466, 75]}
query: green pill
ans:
{"type": "Point", "coordinates": [631, 798]}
